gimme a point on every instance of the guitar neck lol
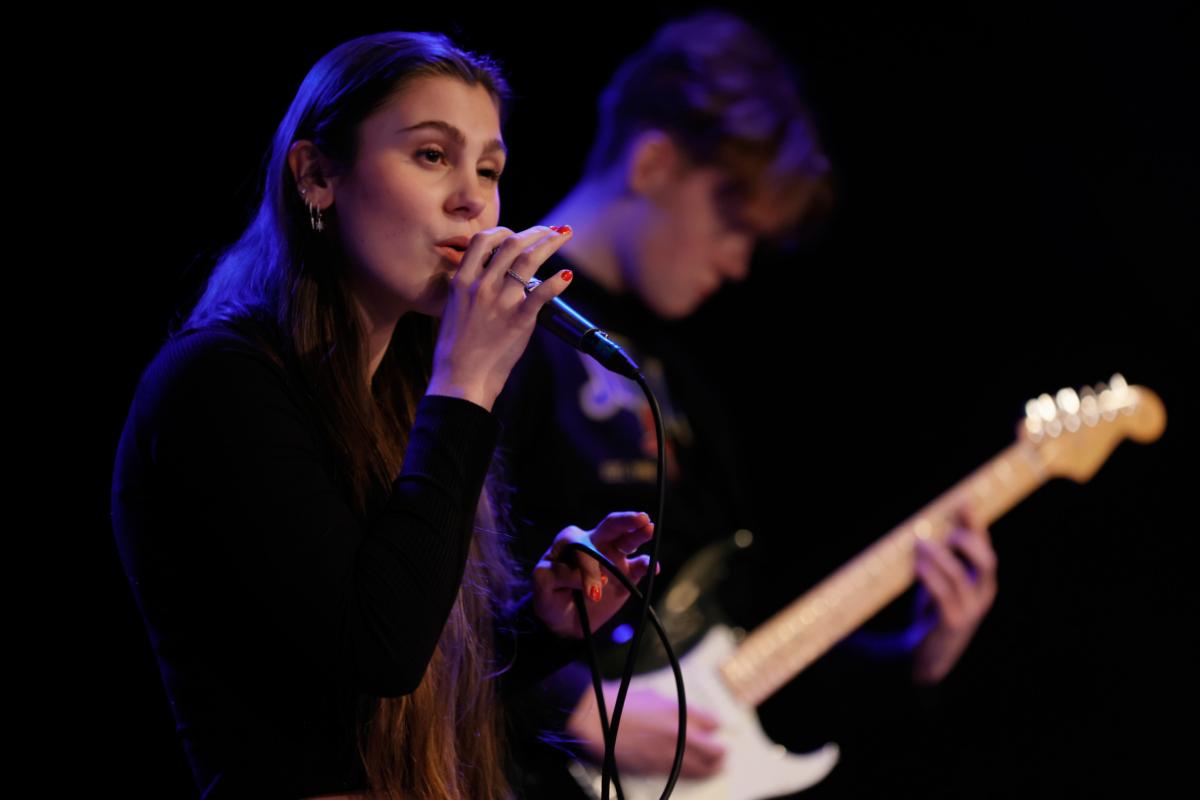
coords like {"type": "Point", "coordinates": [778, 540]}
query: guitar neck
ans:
{"type": "Point", "coordinates": [805, 630]}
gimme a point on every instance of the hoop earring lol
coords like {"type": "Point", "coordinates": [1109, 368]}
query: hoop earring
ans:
{"type": "Point", "coordinates": [314, 213]}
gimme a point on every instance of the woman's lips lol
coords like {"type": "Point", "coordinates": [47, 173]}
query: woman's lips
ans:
{"type": "Point", "coordinates": [451, 254]}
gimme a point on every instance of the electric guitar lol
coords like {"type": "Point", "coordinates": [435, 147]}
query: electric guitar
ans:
{"type": "Point", "coordinates": [1069, 435]}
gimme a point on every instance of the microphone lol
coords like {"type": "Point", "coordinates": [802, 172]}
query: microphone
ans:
{"type": "Point", "coordinates": [576, 330]}
{"type": "Point", "coordinates": [573, 328]}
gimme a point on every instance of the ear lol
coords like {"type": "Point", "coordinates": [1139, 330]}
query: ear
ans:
{"type": "Point", "coordinates": [653, 162]}
{"type": "Point", "coordinates": [313, 173]}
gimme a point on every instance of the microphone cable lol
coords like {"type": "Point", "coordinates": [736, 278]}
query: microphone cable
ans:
{"type": "Point", "coordinates": [610, 729]}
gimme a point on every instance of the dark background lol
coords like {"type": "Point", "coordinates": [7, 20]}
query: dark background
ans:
{"type": "Point", "coordinates": [1016, 213]}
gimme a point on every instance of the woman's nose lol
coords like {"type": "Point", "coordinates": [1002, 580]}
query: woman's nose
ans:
{"type": "Point", "coordinates": [469, 197]}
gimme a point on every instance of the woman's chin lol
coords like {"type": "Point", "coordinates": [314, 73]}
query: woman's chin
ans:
{"type": "Point", "coordinates": [434, 302]}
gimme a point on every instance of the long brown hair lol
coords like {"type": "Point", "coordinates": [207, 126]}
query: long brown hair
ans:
{"type": "Point", "coordinates": [286, 285]}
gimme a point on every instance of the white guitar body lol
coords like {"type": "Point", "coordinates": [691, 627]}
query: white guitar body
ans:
{"type": "Point", "coordinates": [755, 767]}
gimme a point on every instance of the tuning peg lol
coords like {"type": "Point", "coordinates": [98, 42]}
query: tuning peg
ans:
{"type": "Point", "coordinates": [1068, 403]}
{"type": "Point", "coordinates": [1033, 419]}
{"type": "Point", "coordinates": [1126, 395]}
{"type": "Point", "coordinates": [1089, 406]}
{"type": "Point", "coordinates": [1067, 400]}
{"type": "Point", "coordinates": [1110, 403]}
{"type": "Point", "coordinates": [1046, 408]}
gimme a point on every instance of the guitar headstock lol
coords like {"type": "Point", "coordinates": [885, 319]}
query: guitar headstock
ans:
{"type": "Point", "coordinates": [1075, 431]}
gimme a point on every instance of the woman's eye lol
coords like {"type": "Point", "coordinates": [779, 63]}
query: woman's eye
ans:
{"type": "Point", "coordinates": [432, 156]}
{"type": "Point", "coordinates": [490, 174]}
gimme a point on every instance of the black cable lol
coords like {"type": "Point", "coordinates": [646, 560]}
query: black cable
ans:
{"type": "Point", "coordinates": [676, 670]}
{"type": "Point", "coordinates": [597, 684]}
{"type": "Point", "coordinates": [639, 630]}
{"type": "Point", "coordinates": [610, 733]}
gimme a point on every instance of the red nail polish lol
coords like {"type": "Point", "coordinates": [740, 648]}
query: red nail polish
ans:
{"type": "Point", "coordinates": [604, 580]}
{"type": "Point", "coordinates": [561, 229]}
{"type": "Point", "coordinates": [595, 594]}
{"type": "Point", "coordinates": [567, 275]}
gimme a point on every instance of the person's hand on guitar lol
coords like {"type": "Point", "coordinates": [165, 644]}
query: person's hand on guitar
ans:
{"type": "Point", "coordinates": [958, 584]}
{"type": "Point", "coordinates": [649, 725]}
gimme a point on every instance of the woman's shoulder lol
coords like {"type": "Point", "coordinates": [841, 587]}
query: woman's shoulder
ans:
{"type": "Point", "coordinates": [219, 342]}
{"type": "Point", "coordinates": [210, 364]}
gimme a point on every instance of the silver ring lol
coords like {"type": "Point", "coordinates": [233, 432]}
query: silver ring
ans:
{"type": "Point", "coordinates": [529, 285]}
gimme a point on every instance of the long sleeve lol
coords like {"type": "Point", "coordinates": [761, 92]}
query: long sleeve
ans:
{"type": "Point", "coordinates": [270, 603]}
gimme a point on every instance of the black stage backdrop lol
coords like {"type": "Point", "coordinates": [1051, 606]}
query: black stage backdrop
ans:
{"type": "Point", "coordinates": [1016, 214]}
